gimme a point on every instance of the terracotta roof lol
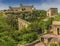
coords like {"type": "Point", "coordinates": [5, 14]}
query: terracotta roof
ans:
{"type": "Point", "coordinates": [56, 23]}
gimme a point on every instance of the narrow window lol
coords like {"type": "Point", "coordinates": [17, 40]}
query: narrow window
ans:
{"type": "Point", "coordinates": [58, 31]}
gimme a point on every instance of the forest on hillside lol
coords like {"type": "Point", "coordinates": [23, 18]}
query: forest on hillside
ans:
{"type": "Point", "coordinates": [11, 36]}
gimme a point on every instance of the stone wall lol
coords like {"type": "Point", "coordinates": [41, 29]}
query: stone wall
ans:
{"type": "Point", "coordinates": [52, 12]}
{"type": "Point", "coordinates": [22, 23]}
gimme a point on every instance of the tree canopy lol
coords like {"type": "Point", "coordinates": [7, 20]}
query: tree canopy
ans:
{"type": "Point", "coordinates": [9, 33]}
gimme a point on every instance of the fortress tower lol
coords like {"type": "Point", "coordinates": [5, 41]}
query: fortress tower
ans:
{"type": "Point", "coordinates": [52, 12]}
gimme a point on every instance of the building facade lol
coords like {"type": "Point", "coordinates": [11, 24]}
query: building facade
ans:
{"type": "Point", "coordinates": [21, 8]}
{"type": "Point", "coordinates": [55, 27]}
{"type": "Point", "coordinates": [54, 36]}
{"type": "Point", "coordinates": [52, 12]}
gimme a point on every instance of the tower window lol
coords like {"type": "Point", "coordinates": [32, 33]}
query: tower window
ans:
{"type": "Point", "coordinates": [58, 31]}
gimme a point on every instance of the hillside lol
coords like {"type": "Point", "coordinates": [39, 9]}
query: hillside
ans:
{"type": "Point", "coordinates": [9, 28]}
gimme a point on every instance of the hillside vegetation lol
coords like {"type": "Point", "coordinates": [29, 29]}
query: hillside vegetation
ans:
{"type": "Point", "coordinates": [57, 18]}
{"type": "Point", "coordinates": [11, 36]}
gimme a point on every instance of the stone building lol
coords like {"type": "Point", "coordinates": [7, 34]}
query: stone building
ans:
{"type": "Point", "coordinates": [55, 27]}
{"type": "Point", "coordinates": [52, 12]}
{"type": "Point", "coordinates": [21, 8]}
{"type": "Point", "coordinates": [54, 36]}
{"type": "Point", "coordinates": [49, 39]}
{"type": "Point", "coordinates": [22, 23]}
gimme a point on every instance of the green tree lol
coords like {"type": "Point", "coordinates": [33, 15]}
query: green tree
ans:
{"type": "Point", "coordinates": [28, 38]}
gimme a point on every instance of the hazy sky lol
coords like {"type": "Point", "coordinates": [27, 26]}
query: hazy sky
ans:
{"type": "Point", "coordinates": [38, 4]}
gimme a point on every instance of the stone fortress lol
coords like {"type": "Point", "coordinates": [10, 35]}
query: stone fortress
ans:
{"type": "Point", "coordinates": [54, 35]}
{"type": "Point", "coordinates": [52, 12]}
{"type": "Point", "coordinates": [21, 8]}
{"type": "Point", "coordinates": [47, 39]}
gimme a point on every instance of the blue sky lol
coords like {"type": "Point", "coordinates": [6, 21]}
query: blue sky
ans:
{"type": "Point", "coordinates": [38, 4]}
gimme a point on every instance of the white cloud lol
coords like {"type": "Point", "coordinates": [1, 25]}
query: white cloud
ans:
{"type": "Point", "coordinates": [3, 6]}
{"type": "Point", "coordinates": [43, 6]}
{"type": "Point", "coordinates": [46, 6]}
